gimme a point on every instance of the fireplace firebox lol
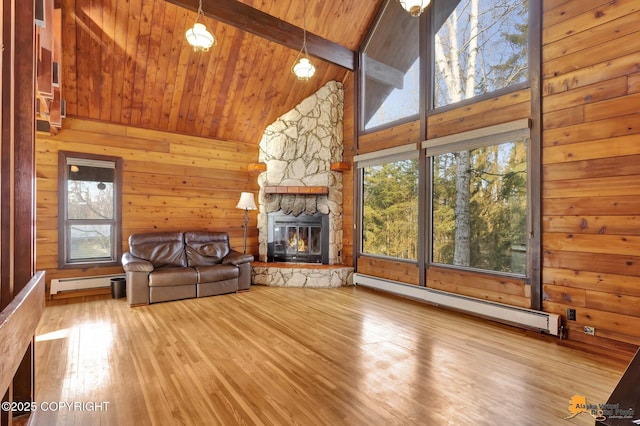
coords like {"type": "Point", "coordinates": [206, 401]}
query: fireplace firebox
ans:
{"type": "Point", "coordinates": [303, 238]}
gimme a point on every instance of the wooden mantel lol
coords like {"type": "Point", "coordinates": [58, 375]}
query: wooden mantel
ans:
{"type": "Point", "coordinates": [306, 190]}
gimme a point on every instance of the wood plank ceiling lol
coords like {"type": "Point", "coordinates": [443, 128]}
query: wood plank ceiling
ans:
{"type": "Point", "coordinates": [127, 62]}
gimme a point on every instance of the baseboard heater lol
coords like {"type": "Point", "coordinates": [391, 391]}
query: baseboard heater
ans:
{"type": "Point", "coordinates": [529, 318]}
{"type": "Point", "coordinates": [82, 283]}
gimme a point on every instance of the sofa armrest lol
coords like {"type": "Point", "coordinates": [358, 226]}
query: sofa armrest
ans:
{"type": "Point", "coordinates": [236, 258]}
{"type": "Point", "coordinates": [137, 279]}
{"type": "Point", "coordinates": [130, 263]}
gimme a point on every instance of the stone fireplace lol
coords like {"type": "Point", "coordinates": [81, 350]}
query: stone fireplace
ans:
{"type": "Point", "coordinates": [298, 150]}
{"type": "Point", "coordinates": [300, 198]}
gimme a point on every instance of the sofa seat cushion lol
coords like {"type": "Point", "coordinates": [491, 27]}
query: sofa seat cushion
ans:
{"type": "Point", "coordinates": [172, 276]}
{"type": "Point", "coordinates": [211, 274]}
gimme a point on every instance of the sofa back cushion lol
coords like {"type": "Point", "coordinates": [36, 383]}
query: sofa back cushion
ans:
{"type": "Point", "coordinates": [206, 247]}
{"type": "Point", "coordinates": [159, 248]}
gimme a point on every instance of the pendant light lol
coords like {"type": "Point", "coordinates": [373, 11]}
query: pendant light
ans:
{"type": "Point", "coordinates": [414, 7]}
{"type": "Point", "coordinates": [198, 36]}
{"type": "Point", "coordinates": [303, 69]}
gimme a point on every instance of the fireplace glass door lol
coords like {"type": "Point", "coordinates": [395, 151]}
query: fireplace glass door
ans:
{"type": "Point", "coordinates": [298, 239]}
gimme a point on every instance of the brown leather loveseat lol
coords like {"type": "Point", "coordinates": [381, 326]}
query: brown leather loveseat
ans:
{"type": "Point", "coordinates": [164, 266]}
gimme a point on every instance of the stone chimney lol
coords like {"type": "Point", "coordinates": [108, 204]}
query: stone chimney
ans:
{"type": "Point", "coordinates": [298, 150]}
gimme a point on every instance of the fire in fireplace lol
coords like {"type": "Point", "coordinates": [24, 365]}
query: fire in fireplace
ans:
{"type": "Point", "coordinates": [303, 238]}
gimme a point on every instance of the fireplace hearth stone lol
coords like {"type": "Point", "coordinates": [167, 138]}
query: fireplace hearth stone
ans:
{"type": "Point", "coordinates": [305, 275]}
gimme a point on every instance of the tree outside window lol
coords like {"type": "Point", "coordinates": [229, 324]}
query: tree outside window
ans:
{"type": "Point", "coordinates": [490, 205]}
{"type": "Point", "coordinates": [480, 48]}
{"type": "Point", "coordinates": [390, 209]}
{"type": "Point", "coordinates": [89, 208]}
{"type": "Point", "coordinates": [479, 195]}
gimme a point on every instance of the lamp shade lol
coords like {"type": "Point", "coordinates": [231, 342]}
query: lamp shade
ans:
{"type": "Point", "coordinates": [414, 7]}
{"type": "Point", "coordinates": [304, 69]}
{"type": "Point", "coordinates": [247, 202]}
{"type": "Point", "coordinates": [199, 37]}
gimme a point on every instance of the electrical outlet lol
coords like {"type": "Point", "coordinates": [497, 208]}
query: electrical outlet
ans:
{"type": "Point", "coordinates": [571, 314]}
{"type": "Point", "coordinates": [589, 330]}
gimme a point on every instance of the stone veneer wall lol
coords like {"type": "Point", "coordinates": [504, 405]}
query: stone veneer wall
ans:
{"type": "Point", "coordinates": [298, 149]}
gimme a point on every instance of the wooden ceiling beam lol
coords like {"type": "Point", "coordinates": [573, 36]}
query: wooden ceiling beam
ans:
{"type": "Point", "coordinates": [256, 22]}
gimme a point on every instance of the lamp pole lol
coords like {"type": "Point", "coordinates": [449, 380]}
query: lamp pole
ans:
{"type": "Point", "coordinates": [246, 221]}
{"type": "Point", "coordinates": [246, 203]}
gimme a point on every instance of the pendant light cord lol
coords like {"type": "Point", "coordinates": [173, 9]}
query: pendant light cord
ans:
{"type": "Point", "coordinates": [199, 10]}
{"type": "Point", "coordinates": [304, 26]}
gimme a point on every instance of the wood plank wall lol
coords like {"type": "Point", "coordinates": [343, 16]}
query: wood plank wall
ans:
{"type": "Point", "coordinates": [591, 168]}
{"type": "Point", "coordinates": [170, 182]}
{"type": "Point", "coordinates": [499, 109]}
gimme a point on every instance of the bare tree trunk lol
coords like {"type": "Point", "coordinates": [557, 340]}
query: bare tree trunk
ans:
{"type": "Point", "coordinates": [460, 84]}
{"type": "Point", "coordinates": [462, 252]}
{"type": "Point", "coordinates": [470, 84]}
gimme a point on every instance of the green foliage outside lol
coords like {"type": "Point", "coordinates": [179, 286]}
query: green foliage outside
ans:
{"type": "Point", "coordinates": [390, 209]}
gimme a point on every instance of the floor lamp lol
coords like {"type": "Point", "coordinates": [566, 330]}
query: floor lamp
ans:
{"type": "Point", "coordinates": [246, 203]}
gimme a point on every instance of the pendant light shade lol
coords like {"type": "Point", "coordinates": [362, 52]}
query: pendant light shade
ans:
{"type": "Point", "coordinates": [198, 37]}
{"type": "Point", "coordinates": [303, 69]}
{"type": "Point", "coordinates": [414, 7]}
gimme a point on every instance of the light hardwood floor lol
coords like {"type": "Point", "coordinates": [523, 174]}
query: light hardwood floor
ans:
{"type": "Point", "coordinates": [283, 356]}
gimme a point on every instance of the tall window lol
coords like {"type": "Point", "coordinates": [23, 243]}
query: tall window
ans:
{"type": "Point", "coordinates": [390, 209]}
{"type": "Point", "coordinates": [89, 210]}
{"type": "Point", "coordinates": [478, 179]}
{"type": "Point", "coordinates": [391, 69]}
{"type": "Point", "coordinates": [481, 47]}
{"type": "Point", "coordinates": [480, 207]}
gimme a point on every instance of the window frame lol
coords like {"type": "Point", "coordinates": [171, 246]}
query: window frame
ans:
{"type": "Point", "coordinates": [483, 137]}
{"type": "Point", "coordinates": [64, 244]}
{"type": "Point", "coordinates": [390, 155]}
{"type": "Point", "coordinates": [429, 91]}
{"type": "Point", "coordinates": [361, 91]}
